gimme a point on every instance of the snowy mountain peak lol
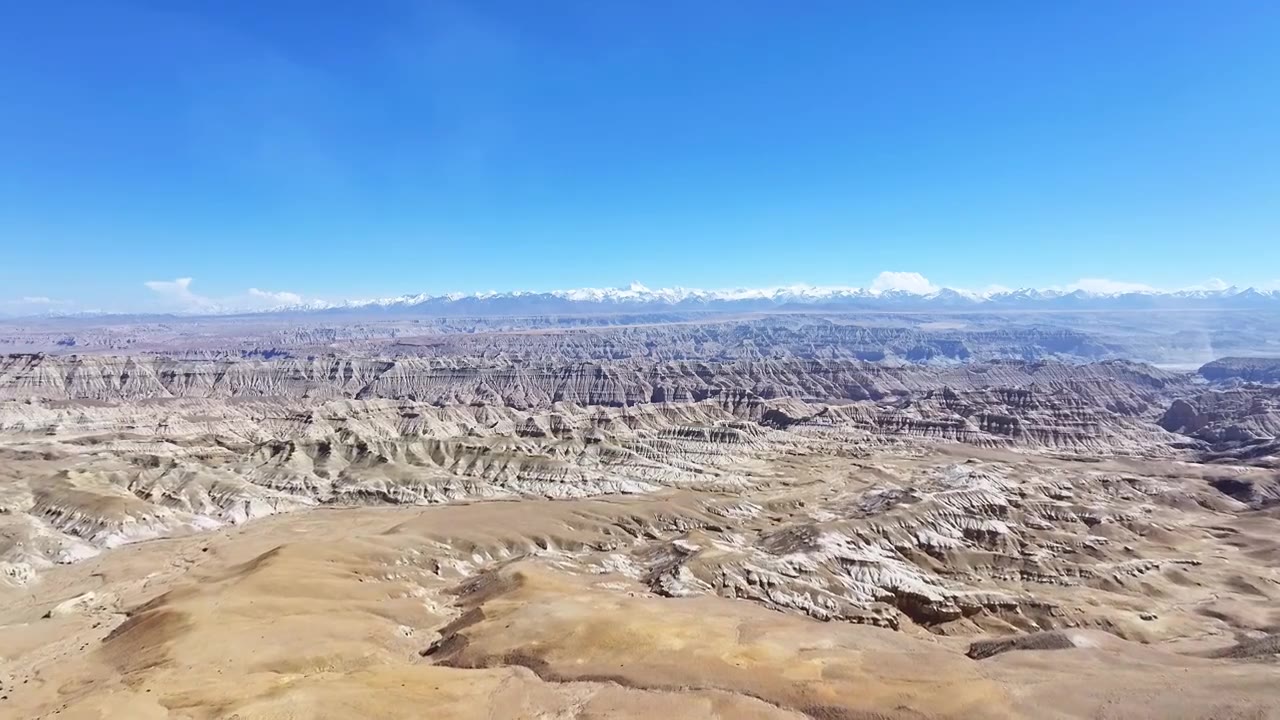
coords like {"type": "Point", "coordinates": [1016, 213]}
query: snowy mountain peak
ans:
{"type": "Point", "coordinates": [638, 297]}
{"type": "Point", "coordinates": [907, 292]}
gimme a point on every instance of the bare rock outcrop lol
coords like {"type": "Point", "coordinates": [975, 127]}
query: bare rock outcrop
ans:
{"type": "Point", "coordinates": [1220, 417]}
{"type": "Point", "coordinates": [1242, 369]}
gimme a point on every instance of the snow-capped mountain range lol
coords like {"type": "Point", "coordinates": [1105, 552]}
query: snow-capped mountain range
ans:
{"type": "Point", "coordinates": [637, 297]}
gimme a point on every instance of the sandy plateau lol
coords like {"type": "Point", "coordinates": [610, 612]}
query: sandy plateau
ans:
{"type": "Point", "coordinates": [620, 533]}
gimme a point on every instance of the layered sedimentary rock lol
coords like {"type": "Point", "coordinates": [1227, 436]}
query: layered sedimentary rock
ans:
{"type": "Point", "coordinates": [549, 537]}
{"type": "Point", "coordinates": [941, 336]}
{"type": "Point", "coordinates": [1223, 416]}
{"type": "Point", "coordinates": [1246, 369]}
{"type": "Point", "coordinates": [1238, 424]}
{"type": "Point", "coordinates": [116, 450]}
{"type": "Point", "coordinates": [1118, 386]}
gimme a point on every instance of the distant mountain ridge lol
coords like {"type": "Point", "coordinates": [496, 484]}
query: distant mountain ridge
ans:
{"type": "Point", "coordinates": [796, 297]}
{"type": "Point", "coordinates": [640, 299]}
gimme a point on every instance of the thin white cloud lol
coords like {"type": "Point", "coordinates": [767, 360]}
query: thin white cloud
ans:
{"type": "Point", "coordinates": [1106, 286]}
{"type": "Point", "coordinates": [41, 300]}
{"type": "Point", "coordinates": [31, 305]}
{"type": "Point", "coordinates": [276, 298]}
{"type": "Point", "coordinates": [177, 294]}
{"type": "Point", "coordinates": [904, 281]}
{"type": "Point", "coordinates": [1212, 284]}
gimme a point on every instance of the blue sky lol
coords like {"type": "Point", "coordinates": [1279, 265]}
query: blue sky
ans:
{"type": "Point", "coordinates": [318, 150]}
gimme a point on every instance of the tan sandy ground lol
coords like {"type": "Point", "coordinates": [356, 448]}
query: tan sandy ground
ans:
{"type": "Point", "coordinates": [349, 614]}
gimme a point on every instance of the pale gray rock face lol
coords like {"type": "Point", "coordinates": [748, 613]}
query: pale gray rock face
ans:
{"type": "Point", "coordinates": [110, 450]}
{"type": "Point", "coordinates": [937, 495]}
{"type": "Point", "coordinates": [617, 478]}
{"type": "Point", "coordinates": [1246, 369]}
{"type": "Point", "coordinates": [1236, 424]}
{"type": "Point", "coordinates": [1119, 386]}
{"type": "Point", "coordinates": [1187, 338]}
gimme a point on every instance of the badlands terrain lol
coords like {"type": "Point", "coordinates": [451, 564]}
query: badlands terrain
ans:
{"type": "Point", "coordinates": [680, 515]}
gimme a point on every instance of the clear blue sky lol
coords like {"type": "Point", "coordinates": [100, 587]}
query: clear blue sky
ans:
{"type": "Point", "coordinates": [339, 149]}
